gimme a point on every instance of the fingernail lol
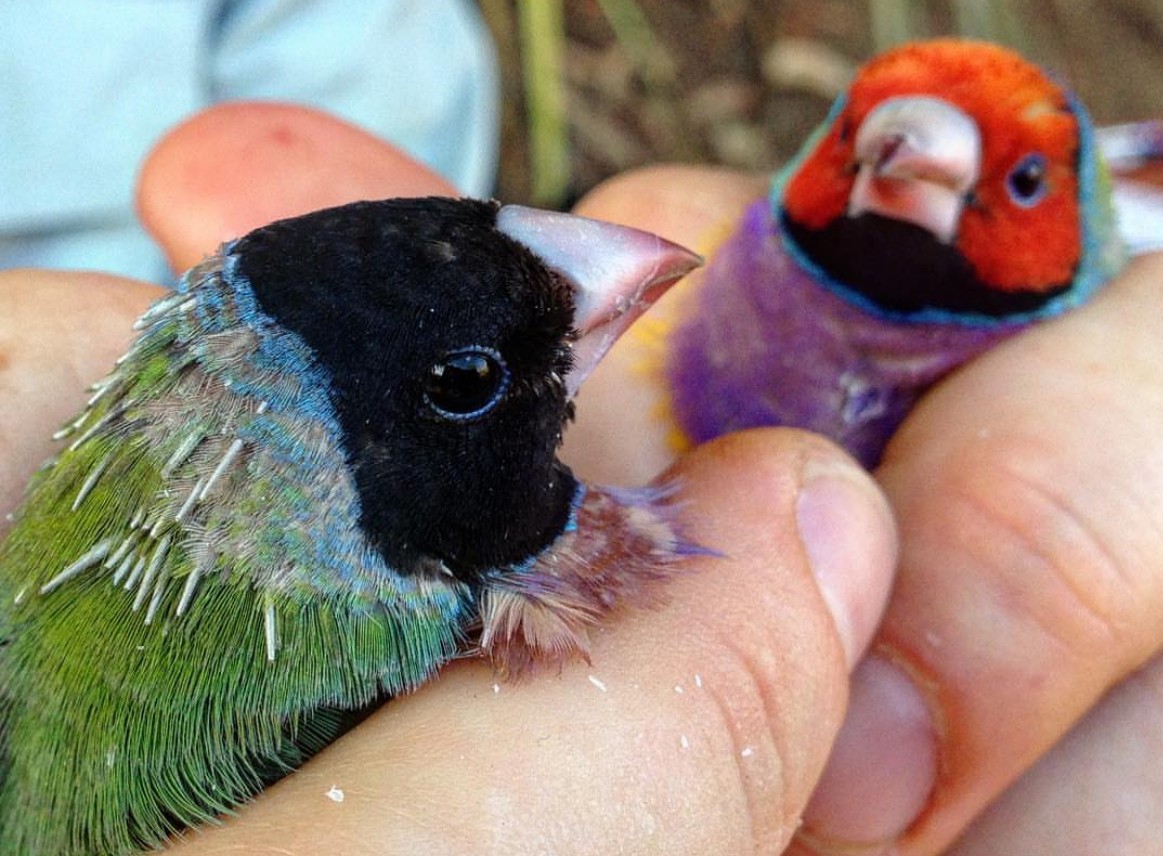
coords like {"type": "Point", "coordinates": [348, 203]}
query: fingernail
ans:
{"type": "Point", "coordinates": [850, 540]}
{"type": "Point", "coordinates": [883, 765]}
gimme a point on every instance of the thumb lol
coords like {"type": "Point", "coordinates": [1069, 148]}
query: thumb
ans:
{"type": "Point", "coordinates": [700, 727]}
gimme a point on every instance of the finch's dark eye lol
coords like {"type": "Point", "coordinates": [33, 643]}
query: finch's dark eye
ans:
{"type": "Point", "coordinates": [846, 129]}
{"type": "Point", "coordinates": [1026, 182]}
{"type": "Point", "coordinates": [467, 383]}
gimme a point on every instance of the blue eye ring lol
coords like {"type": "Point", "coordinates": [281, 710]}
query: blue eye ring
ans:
{"type": "Point", "coordinates": [466, 383]}
{"type": "Point", "coordinates": [1027, 183]}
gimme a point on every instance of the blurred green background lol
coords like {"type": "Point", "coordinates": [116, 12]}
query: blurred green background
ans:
{"type": "Point", "coordinates": [594, 87]}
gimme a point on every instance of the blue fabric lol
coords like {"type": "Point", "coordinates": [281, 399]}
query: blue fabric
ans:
{"type": "Point", "coordinates": [88, 86]}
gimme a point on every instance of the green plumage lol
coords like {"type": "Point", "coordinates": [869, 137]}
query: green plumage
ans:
{"type": "Point", "coordinates": [323, 463]}
{"type": "Point", "coordinates": [181, 697]}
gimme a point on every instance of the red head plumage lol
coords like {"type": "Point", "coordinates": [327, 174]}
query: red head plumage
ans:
{"type": "Point", "coordinates": [1018, 223]}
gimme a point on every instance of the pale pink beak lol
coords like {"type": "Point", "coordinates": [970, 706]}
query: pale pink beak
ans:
{"type": "Point", "coordinates": [918, 158]}
{"type": "Point", "coordinates": [617, 273]}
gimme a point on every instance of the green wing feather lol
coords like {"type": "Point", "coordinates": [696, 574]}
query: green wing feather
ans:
{"type": "Point", "coordinates": [185, 597]}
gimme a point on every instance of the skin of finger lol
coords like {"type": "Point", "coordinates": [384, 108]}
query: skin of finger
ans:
{"type": "Point", "coordinates": [1098, 791]}
{"type": "Point", "coordinates": [236, 166]}
{"type": "Point", "coordinates": [1028, 490]}
{"type": "Point", "coordinates": [698, 727]}
{"type": "Point", "coordinates": [693, 206]}
{"type": "Point", "coordinates": [221, 173]}
{"type": "Point", "coordinates": [59, 333]}
{"type": "Point", "coordinates": [927, 629]}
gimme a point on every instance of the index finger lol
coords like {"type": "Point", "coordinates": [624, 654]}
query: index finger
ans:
{"type": "Point", "coordinates": [1027, 488]}
{"type": "Point", "coordinates": [225, 171]}
{"type": "Point", "coordinates": [237, 166]}
{"type": "Point", "coordinates": [59, 332]}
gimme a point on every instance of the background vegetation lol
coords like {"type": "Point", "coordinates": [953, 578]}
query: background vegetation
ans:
{"type": "Point", "coordinates": [593, 87]}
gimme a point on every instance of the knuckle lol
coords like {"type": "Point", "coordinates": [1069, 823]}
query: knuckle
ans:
{"type": "Point", "coordinates": [776, 727]}
{"type": "Point", "coordinates": [1048, 559]}
{"type": "Point", "coordinates": [750, 733]}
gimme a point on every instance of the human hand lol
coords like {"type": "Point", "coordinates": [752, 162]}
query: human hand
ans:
{"type": "Point", "coordinates": [699, 727]}
{"type": "Point", "coordinates": [1027, 489]}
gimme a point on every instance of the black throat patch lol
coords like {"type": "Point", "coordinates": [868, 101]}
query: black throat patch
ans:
{"type": "Point", "coordinates": [902, 268]}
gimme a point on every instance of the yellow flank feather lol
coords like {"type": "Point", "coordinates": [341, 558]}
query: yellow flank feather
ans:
{"type": "Point", "coordinates": [647, 338]}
